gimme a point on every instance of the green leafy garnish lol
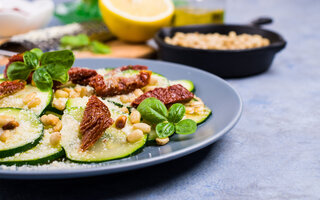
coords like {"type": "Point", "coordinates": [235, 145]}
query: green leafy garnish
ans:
{"type": "Point", "coordinates": [47, 67]}
{"type": "Point", "coordinates": [165, 129]}
{"type": "Point", "coordinates": [186, 126]}
{"type": "Point", "coordinates": [155, 112]}
{"type": "Point", "coordinates": [83, 42]}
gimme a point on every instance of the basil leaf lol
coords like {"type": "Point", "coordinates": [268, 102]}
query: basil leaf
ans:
{"type": "Point", "coordinates": [18, 70]}
{"type": "Point", "coordinates": [75, 41]}
{"type": "Point", "coordinates": [30, 59]}
{"type": "Point", "coordinates": [42, 79]}
{"type": "Point", "coordinates": [57, 72]}
{"type": "Point", "coordinates": [164, 129]}
{"type": "Point", "coordinates": [38, 52]}
{"type": "Point", "coordinates": [186, 126]}
{"type": "Point", "coordinates": [153, 110]}
{"type": "Point", "coordinates": [63, 57]}
{"type": "Point", "coordinates": [100, 48]}
{"type": "Point", "coordinates": [176, 112]}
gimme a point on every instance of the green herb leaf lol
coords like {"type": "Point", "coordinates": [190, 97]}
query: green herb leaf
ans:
{"type": "Point", "coordinates": [63, 57]}
{"type": "Point", "coordinates": [38, 52]}
{"type": "Point", "coordinates": [176, 112]}
{"type": "Point", "coordinates": [75, 41]}
{"type": "Point", "coordinates": [42, 79]}
{"type": "Point", "coordinates": [57, 72]}
{"type": "Point", "coordinates": [153, 110]}
{"type": "Point", "coordinates": [18, 70]}
{"type": "Point", "coordinates": [164, 129]}
{"type": "Point", "coordinates": [100, 48]}
{"type": "Point", "coordinates": [186, 126]}
{"type": "Point", "coordinates": [30, 59]}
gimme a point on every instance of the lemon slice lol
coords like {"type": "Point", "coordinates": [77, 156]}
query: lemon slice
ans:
{"type": "Point", "coordinates": [136, 20]}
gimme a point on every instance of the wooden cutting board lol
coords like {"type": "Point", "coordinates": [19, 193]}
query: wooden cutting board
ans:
{"type": "Point", "coordinates": [119, 49]}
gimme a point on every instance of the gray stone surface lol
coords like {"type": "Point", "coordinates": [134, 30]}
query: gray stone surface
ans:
{"type": "Point", "coordinates": [273, 153]}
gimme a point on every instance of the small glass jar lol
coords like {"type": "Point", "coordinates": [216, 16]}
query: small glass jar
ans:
{"type": "Point", "coordinates": [189, 12]}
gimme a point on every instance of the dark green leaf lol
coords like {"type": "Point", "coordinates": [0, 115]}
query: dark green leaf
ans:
{"type": "Point", "coordinates": [153, 110]}
{"type": "Point", "coordinates": [164, 129]}
{"type": "Point", "coordinates": [100, 48]}
{"type": "Point", "coordinates": [186, 126]}
{"type": "Point", "coordinates": [42, 79]}
{"type": "Point", "coordinates": [75, 41]}
{"type": "Point", "coordinates": [18, 70]}
{"type": "Point", "coordinates": [63, 57]}
{"type": "Point", "coordinates": [57, 72]}
{"type": "Point", "coordinates": [30, 59]}
{"type": "Point", "coordinates": [38, 52]}
{"type": "Point", "coordinates": [176, 112]}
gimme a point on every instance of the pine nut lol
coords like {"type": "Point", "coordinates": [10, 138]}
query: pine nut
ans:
{"type": "Point", "coordinates": [153, 81]}
{"type": "Point", "coordinates": [34, 102]}
{"type": "Point", "coordinates": [58, 126]}
{"type": "Point", "coordinates": [58, 104]}
{"type": "Point", "coordinates": [29, 97]}
{"type": "Point", "coordinates": [61, 94]}
{"type": "Point", "coordinates": [124, 109]}
{"type": "Point", "coordinates": [55, 139]}
{"type": "Point", "coordinates": [49, 120]}
{"type": "Point", "coordinates": [5, 119]}
{"type": "Point", "coordinates": [124, 99]}
{"type": "Point", "coordinates": [138, 92]}
{"type": "Point", "coordinates": [162, 141]}
{"type": "Point", "coordinates": [145, 128]}
{"type": "Point", "coordinates": [121, 122]}
{"type": "Point", "coordinates": [189, 110]}
{"type": "Point", "coordinates": [135, 117]}
{"type": "Point", "coordinates": [4, 136]}
{"type": "Point", "coordinates": [135, 136]}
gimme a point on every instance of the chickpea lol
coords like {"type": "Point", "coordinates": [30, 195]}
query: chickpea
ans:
{"type": "Point", "coordinates": [135, 136]}
{"type": "Point", "coordinates": [55, 138]}
{"type": "Point", "coordinates": [29, 97]}
{"type": "Point", "coordinates": [34, 102]}
{"type": "Point", "coordinates": [4, 136]}
{"type": "Point", "coordinates": [58, 104]}
{"type": "Point", "coordinates": [61, 94]}
{"type": "Point", "coordinates": [145, 128]}
{"type": "Point", "coordinates": [121, 122]}
{"type": "Point", "coordinates": [135, 117]}
{"type": "Point", "coordinates": [162, 141]}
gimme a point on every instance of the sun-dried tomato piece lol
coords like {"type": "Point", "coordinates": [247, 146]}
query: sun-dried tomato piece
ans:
{"type": "Point", "coordinates": [10, 87]}
{"type": "Point", "coordinates": [81, 75]}
{"type": "Point", "coordinates": [119, 85]}
{"type": "Point", "coordinates": [15, 58]}
{"type": "Point", "coordinates": [96, 119]}
{"type": "Point", "coordinates": [128, 67]}
{"type": "Point", "coordinates": [172, 94]}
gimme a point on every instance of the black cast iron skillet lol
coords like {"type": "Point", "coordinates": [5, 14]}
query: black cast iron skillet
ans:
{"type": "Point", "coordinates": [224, 63]}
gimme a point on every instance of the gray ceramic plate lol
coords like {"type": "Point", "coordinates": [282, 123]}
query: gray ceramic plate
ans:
{"type": "Point", "coordinates": [215, 92]}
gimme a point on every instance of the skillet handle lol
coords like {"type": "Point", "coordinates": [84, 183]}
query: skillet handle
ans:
{"type": "Point", "coordinates": [261, 21]}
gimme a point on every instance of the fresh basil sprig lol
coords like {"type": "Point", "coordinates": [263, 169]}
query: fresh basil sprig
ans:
{"type": "Point", "coordinates": [47, 67]}
{"type": "Point", "coordinates": [167, 123]}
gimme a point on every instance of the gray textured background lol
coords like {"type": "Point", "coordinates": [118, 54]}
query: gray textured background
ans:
{"type": "Point", "coordinates": [273, 153]}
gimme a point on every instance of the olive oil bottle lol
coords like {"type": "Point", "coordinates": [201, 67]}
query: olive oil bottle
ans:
{"type": "Point", "coordinates": [189, 12]}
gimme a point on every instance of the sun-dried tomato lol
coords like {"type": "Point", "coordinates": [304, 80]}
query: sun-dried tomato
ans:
{"type": "Point", "coordinates": [15, 58]}
{"type": "Point", "coordinates": [81, 75]}
{"type": "Point", "coordinates": [10, 87]}
{"type": "Point", "coordinates": [172, 94]}
{"type": "Point", "coordinates": [119, 85]}
{"type": "Point", "coordinates": [96, 119]}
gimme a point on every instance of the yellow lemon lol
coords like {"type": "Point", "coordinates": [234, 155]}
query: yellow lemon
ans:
{"type": "Point", "coordinates": [136, 20]}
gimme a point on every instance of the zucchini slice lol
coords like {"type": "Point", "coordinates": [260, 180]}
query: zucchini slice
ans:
{"type": "Point", "coordinates": [200, 117]}
{"type": "Point", "coordinates": [112, 145]}
{"type": "Point", "coordinates": [16, 100]}
{"type": "Point", "coordinates": [185, 83]}
{"type": "Point", "coordinates": [43, 153]}
{"type": "Point", "coordinates": [25, 136]}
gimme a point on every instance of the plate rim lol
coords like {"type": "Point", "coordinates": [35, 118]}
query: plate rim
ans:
{"type": "Point", "coordinates": [132, 165]}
